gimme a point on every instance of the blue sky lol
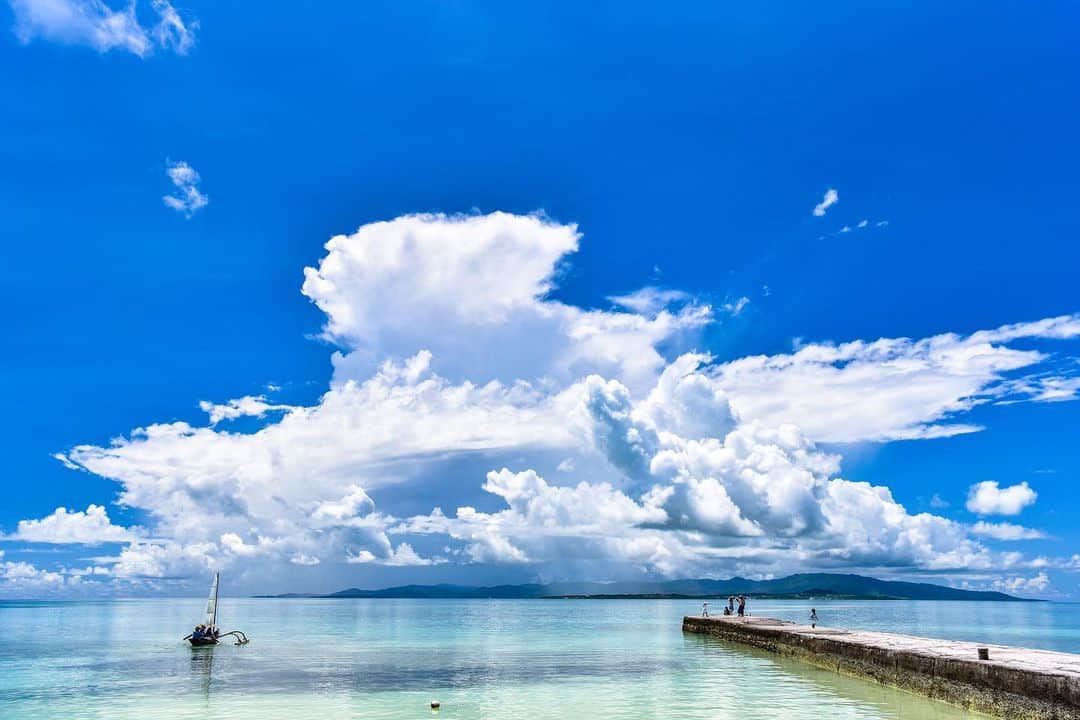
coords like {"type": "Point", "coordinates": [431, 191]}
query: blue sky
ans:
{"type": "Point", "coordinates": [689, 146]}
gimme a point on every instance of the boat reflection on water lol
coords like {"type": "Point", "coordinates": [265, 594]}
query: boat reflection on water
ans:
{"type": "Point", "coordinates": [202, 666]}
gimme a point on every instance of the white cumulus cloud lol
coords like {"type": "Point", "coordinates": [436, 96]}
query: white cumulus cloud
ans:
{"type": "Point", "coordinates": [1023, 585]}
{"type": "Point", "coordinates": [475, 292]}
{"type": "Point", "coordinates": [20, 575]}
{"type": "Point", "coordinates": [249, 405]}
{"type": "Point", "coordinates": [988, 498]}
{"type": "Point", "coordinates": [831, 198]}
{"type": "Point", "coordinates": [473, 417]}
{"type": "Point", "coordinates": [89, 527]}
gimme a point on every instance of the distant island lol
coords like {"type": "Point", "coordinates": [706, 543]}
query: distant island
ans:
{"type": "Point", "coordinates": [802, 586]}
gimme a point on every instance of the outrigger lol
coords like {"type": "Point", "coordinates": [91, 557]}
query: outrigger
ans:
{"type": "Point", "coordinates": [208, 633]}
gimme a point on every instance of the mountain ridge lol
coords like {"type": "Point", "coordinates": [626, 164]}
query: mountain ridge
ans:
{"type": "Point", "coordinates": [819, 585]}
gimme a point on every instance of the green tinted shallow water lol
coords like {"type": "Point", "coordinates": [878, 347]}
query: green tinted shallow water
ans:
{"type": "Point", "coordinates": [541, 659]}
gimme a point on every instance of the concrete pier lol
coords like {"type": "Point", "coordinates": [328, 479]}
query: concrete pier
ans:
{"type": "Point", "coordinates": [1013, 683]}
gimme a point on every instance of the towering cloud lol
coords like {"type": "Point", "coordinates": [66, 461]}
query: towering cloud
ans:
{"type": "Point", "coordinates": [474, 418]}
{"type": "Point", "coordinates": [474, 291]}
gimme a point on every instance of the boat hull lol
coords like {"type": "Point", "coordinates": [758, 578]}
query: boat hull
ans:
{"type": "Point", "coordinates": [199, 642]}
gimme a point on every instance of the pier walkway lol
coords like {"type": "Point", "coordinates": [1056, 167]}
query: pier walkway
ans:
{"type": "Point", "coordinates": [1013, 683]}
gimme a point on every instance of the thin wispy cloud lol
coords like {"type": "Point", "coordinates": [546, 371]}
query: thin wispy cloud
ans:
{"type": "Point", "coordinates": [187, 199]}
{"type": "Point", "coordinates": [831, 198]}
{"type": "Point", "coordinates": [1006, 531]}
{"type": "Point", "coordinates": [735, 307]}
{"type": "Point", "coordinates": [650, 300]}
{"type": "Point", "coordinates": [863, 224]}
{"type": "Point", "coordinates": [893, 388]}
{"type": "Point", "coordinates": [1061, 385]}
{"type": "Point", "coordinates": [171, 31]}
{"type": "Point", "coordinates": [95, 24]}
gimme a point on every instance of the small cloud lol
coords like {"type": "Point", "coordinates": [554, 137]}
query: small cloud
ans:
{"type": "Point", "coordinates": [1036, 584]}
{"type": "Point", "coordinates": [95, 24]}
{"type": "Point", "coordinates": [938, 503]}
{"type": "Point", "coordinates": [766, 291]}
{"type": "Point", "coordinates": [247, 406]}
{"type": "Point", "coordinates": [566, 465]}
{"type": "Point", "coordinates": [650, 300]}
{"type": "Point", "coordinates": [735, 307]}
{"type": "Point", "coordinates": [831, 198]}
{"type": "Point", "coordinates": [401, 556]}
{"type": "Point", "coordinates": [861, 225]}
{"type": "Point", "coordinates": [1006, 531]}
{"type": "Point", "coordinates": [188, 199]}
{"type": "Point", "coordinates": [987, 498]}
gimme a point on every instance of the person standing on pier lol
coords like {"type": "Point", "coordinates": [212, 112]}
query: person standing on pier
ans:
{"type": "Point", "coordinates": [705, 609]}
{"type": "Point", "coordinates": [813, 617]}
{"type": "Point", "coordinates": [742, 605]}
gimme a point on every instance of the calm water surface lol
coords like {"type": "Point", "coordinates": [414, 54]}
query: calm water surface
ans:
{"type": "Point", "coordinates": [499, 659]}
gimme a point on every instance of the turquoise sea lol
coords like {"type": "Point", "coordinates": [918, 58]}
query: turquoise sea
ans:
{"type": "Point", "coordinates": [496, 659]}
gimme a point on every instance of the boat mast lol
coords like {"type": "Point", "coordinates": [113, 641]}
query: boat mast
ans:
{"type": "Point", "coordinates": [211, 602]}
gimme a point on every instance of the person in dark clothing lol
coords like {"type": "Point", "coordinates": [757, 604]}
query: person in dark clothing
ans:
{"type": "Point", "coordinates": [742, 606]}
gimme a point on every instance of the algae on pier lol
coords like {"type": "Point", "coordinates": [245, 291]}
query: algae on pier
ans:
{"type": "Point", "coordinates": [1012, 683]}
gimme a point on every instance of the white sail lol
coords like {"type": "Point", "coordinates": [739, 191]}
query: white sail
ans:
{"type": "Point", "coordinates": [211, 603]}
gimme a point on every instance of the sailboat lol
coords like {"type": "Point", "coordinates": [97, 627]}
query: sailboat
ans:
{"type": "Point", "coordinates": [208, 632]}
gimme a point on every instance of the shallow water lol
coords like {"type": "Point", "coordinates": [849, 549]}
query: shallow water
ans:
{"type": "Point", "coordinates": [498, 659]}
